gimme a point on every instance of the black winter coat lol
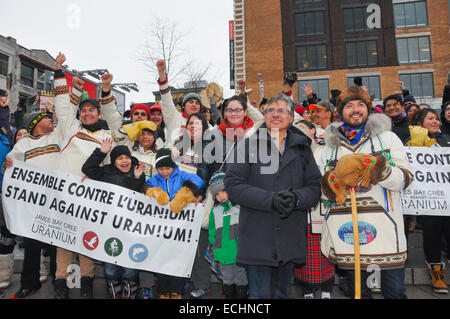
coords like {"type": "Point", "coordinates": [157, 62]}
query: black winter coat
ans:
{"type": "Point", "coordinates": [214, 154]}
{"type": "Point", "coordinates": [401, 129]}
{"type": "Point", "coordinates": [111, 174]}
{"type": "Point", "coordinates": [264, 238]}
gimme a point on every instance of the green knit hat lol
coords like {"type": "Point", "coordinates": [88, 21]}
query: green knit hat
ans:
{"type": "Point", "coordinates": [191, 96]}
{"type": "Point", "coordinates": [216, 183]}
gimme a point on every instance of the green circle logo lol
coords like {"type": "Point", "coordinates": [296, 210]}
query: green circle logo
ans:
{"type": "Point", "coordinates": [113, 247]}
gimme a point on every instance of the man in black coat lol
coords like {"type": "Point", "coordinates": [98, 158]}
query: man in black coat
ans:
{"type": "Point", "coordinates": [275, 179]}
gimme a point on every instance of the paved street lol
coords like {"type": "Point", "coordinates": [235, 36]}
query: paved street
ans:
{"type": "Point", "coordinates": [417, 279]}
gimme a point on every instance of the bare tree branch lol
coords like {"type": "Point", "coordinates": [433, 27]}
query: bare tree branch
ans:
{"type": "Point", "coordinates": [165, 41]}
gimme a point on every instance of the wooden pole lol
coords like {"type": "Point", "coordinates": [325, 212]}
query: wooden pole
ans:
{"type": "Point", "coordinates": [356, 244]}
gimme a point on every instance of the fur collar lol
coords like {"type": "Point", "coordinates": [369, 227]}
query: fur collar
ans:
{"type": "Point", "coordinates": [376, 124]}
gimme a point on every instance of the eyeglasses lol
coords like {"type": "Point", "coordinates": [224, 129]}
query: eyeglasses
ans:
{"type": "Point", "coordinates": [140, 113]}
{"type": "Point", "coordinates": [234, 111]}
{"type": "Point", "coordinates": [272, 111]}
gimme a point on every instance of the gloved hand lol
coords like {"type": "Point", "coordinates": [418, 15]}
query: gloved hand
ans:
{"type": "Point", "coordinates": [133, 130]}
{"type": "Point", "coordinates": [161, 196]}
{"type": "Point", "coordinates": [284, 203]}
{"type": "Point", "coordinates": [419, 137]}
{"type": "Point", "coordinates": [181, 199]}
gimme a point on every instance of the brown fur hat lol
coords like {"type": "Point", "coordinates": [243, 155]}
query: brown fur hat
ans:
{"type": "Point", "coordinates": [351, 94]}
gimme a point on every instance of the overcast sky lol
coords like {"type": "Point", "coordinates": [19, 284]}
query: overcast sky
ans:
{"type": "Point", "coordinates": [109, 34]}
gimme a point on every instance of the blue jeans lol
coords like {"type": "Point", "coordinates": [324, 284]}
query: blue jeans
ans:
{"type": "Point", "coordinates": [267, 282]}
{"type": "Point", "coordinates": [115, 272]}
{"type": "Point", "coordinates": [392, 284]}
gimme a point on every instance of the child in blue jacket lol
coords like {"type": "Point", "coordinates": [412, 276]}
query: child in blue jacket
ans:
{"type": "Point", "coordinates": [180, 188]}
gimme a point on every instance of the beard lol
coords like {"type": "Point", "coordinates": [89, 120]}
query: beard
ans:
{"type": "Point", "coordinates": [349, 123]}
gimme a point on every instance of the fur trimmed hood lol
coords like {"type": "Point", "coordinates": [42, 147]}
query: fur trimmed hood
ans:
{"type": "Point", "coordinates": [376, 124]}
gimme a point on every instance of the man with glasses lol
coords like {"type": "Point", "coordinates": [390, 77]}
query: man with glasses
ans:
{"type": "Point", "coordinates": [274, 202]}
{"type": "Point", "coordinates": [395, 109]}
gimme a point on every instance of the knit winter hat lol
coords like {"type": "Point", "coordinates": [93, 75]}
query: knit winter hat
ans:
{"type": "Point", "coordinates": [141, 107]}
{"type": "Point", "coordinates": [33, 119]}
{"type": "Point", "coordinates": [155, 107]}
{"type": "Point", "coordinates": [409, 98]}
{"type": "Point", "coordinates": [118, 151]}
{"type": "Point", "coordinates": [351, 94]}
{"type": "Point", "coordinates": [216, 183]}
{"type": "Point", "coordinates": [164, 158]}
{"type": "Point", "coordinates": [191, 96]}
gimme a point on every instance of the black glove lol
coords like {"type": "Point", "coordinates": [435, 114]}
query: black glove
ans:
{"type": "Point", "coordinates": [284, 203]}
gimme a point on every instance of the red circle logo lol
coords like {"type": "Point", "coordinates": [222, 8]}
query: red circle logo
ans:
{"type": "Point", "coordinates": [90, 240]}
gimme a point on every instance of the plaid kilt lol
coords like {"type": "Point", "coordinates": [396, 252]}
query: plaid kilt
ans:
{"type": "Point", "coordinates": [318, 268]}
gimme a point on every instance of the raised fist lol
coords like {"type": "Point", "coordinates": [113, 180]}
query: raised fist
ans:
{"type": "Point", "coordinates": [78, 83]}
{"type": "Point", "coordinates": [106, 82]}
{"type": "Point", "coordinates": [60, 59]}
{"type": "Point", "coordinates": [161, 66]}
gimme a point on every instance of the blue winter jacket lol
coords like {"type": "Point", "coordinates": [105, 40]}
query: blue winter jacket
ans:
{"type": "Point", "coordinates": [4, 150]}
{"type": "Point", "coordinates": [177, 180]}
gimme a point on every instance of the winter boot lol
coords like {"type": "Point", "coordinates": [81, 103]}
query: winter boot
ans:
{"type": "Point", "coordinates": [228, 291]}
{"type": "Point", "coordinates": [129, 289]}
{"type": "Point", "coordinates": [87, 288]}
{"type": "Point", "coordinates": [61, 289]}
{"type": "Point", "coordinates": [6, 270]}
{"type": "Point", "coordinates": [241, 292]}
{"type": "Point", "coordinates": [437, 275]}
{"type": "Point", "coordinates": [114, 289]}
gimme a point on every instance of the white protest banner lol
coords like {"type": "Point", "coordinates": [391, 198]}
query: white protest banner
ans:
{"type": "Point", "coordinates": [99, 220]}
{"type": "Point", "coordinates": [429, 193]}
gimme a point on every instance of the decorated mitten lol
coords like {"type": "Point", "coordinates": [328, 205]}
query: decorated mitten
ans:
{"type": "Point", "coordinates": [181, 199]}
{"type": "Point", "coordinates": [333, 189]}
{"type": "Point", "coordinates": [354, 169]}
{"type": "Point", "coordinates": [161, 196]}
{"type": "Point", "coordinates": [419, 137]}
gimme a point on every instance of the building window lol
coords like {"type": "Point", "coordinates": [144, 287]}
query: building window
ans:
{"type": "Point", "coordinates": [414, 50]}
{"type": "Point", "coordinates": [361, 53]}
{"type": "Point", "coordinates": [321, 88]}
{"type": "Point", "coordinates": [40, 80]}
{"type": "Point", "coordinates": [371, 82]}
{"type": "Point", "coordinates": [312, 57]}
{"type": "Point", "coordinates": [26, 75]}
{"type": "Point", "coordinates": [309, 23]}
{"type": "Point", "coordinates": [410, 14]}
{"type": "Point", "coordinates": [4, 64]}
{"type": "Point", "coordinates": [355, 19]}
{"type": "Point", "coordinates": [419, 84]}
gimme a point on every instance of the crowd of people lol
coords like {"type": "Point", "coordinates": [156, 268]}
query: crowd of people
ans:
{"type": "Point", "coordinates": [268, 224]}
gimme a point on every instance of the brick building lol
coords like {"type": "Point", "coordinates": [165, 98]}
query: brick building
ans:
{"type": "Point", "coordinates": [329, 42]}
